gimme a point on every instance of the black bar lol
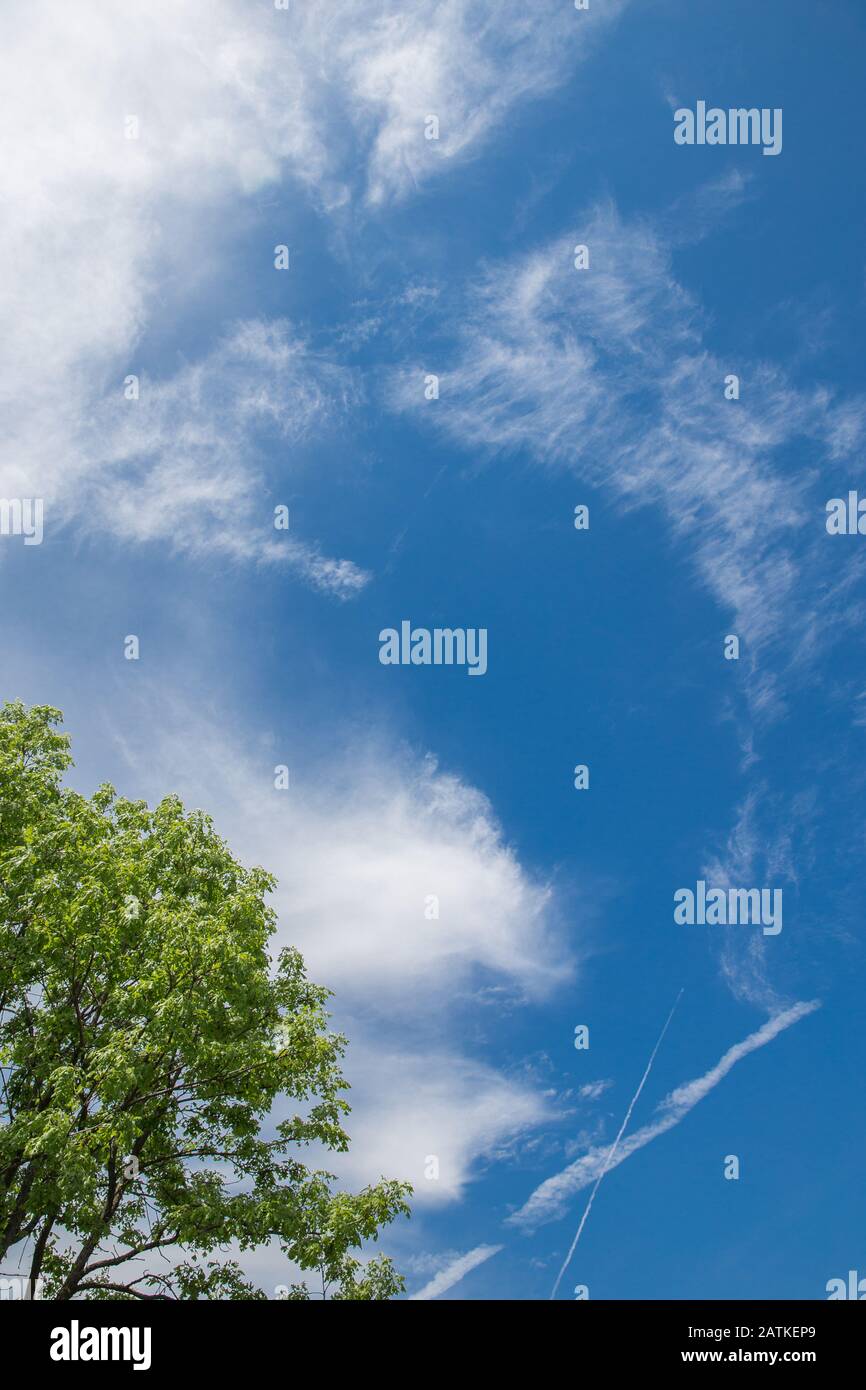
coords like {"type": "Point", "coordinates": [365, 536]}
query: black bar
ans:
{"type": "Point", "coordinates": [231, 1339]}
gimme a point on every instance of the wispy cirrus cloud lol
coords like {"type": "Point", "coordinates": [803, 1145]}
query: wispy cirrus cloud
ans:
{"type": "Point", "coordinates": [770, 841]}
{"type": "Point", "coordinates": [470, 63]}
{"type": "Point", "coordinates": [182, 464]}
{"type": "Point", "coordinates": [604, 372]}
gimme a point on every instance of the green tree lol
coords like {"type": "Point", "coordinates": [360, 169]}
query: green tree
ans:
{"type": "Point", "coordinates": [147, 1046]}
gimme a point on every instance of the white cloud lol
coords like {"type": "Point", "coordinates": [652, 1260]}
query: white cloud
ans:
{"type": "Point", "coordinates": [468, 62]}
{"type": "Point", "coordinates": [178, 465]}
{"type": "Point", "coordinates": [357, 852]}
{"type": "Point", "coordinates": [456, 1270]}
{"type": "Point", "coordinates": [430, 1116]}
{"type": "Point", "coordinates": [593, 1090]}
{"type": "Point", "coordinates": [105, 234]}
{"type": "Point", "coordinates": [362, 870]}
{"type": "Point", "coordinates": [550, 1200]}
{"type": "Point", "coordinates": [104, 237]}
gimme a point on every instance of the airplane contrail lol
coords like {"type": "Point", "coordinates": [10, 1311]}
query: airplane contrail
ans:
{"type": "Point", "coordinates": [613, 1147]}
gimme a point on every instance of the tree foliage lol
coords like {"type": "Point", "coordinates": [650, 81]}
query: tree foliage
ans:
{"type": "Point", "coordinates": [160, 1075]}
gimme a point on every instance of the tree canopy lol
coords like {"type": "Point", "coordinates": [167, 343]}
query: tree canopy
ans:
{"type": "Point", "coordinates": [160, 1075]}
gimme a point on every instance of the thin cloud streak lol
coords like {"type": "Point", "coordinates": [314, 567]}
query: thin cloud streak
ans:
{"type": "Point", "coordinates": [454, 1272]}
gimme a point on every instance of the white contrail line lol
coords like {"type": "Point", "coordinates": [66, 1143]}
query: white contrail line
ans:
{"type": "Point", "coordinates": [613, 1148]}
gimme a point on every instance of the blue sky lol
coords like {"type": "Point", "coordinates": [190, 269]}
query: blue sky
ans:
{"type": "Point", "coordinates": [258, 387]}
